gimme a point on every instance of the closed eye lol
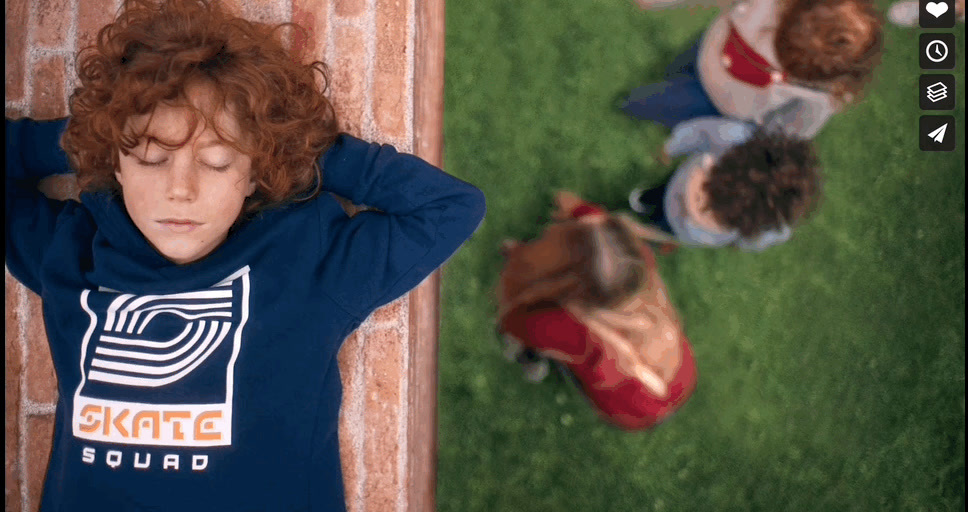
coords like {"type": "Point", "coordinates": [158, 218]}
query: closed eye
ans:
{"type": "Point", "coordinates": [147, 163]}
{"type": "Point", "coordinates": [219, 168]}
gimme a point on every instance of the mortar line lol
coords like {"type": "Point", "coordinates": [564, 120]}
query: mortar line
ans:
{"type": "Point", "coordinates": [404, 401]}
{"type": "Point", "coordinates": [370, 130]}
{"type": "Point", "coordinates": [359, 407]}
{"type": "Point", "coordinates": [404, 411]}
{"type": "Point", "coordinates": [411, 38]}
{"type": "Point", "coordinates": [22, 322]}
{"type": "Point", "coordinates": [69, 60]}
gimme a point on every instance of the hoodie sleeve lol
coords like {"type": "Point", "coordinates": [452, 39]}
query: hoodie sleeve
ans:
{"type": "Point", "coordinates": [425, 215]}
{"type": "Point", "coordinates": [765, 240]}
{"type": "Point", "coordinates": [707, 135]}
{"type": "Point", "coordinates": [32, 153]}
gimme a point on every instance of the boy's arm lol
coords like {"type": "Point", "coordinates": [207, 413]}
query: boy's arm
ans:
{"type": "Point", "coordinates": [799, 117]}
{"type": "Point", "coordinates": [425, 216]}
{"type": "Point", "coordinates": [569, 206]}
{"type": "Point", "coordinates": [32, 152]}
{"type": "Point", "coordinates": [765, 240]}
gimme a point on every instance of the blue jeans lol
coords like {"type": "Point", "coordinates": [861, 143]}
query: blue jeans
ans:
{"type": "Point", "coordinates": [679, 98]}
{"type": "Point", "coordinates": [654, 202]}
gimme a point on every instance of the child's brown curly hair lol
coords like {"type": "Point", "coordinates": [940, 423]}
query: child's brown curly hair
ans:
{"type": "Point", "coordinates": [154, 50]}
{"type": "Point", "coordinates": [769, 181]}
{"type": "Point", "coordinates": [832, 43]}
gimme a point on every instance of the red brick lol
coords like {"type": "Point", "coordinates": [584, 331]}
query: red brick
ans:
{"type": "Point", "coordinates": [350, 8]}
{"type": "Point", "coordinates": [385, 366]}
{"type": "Point", "coordinates": [348, 457]}
{"type": "Point", "coordinates": [312, 15]}
{"type": "Point", "coordinates": [53, 20]}
{"type": "Point", "coordinates": [14, 112]}
{"type": "Point", "coordinates": [41, 381]}
{"type": "Point", "coordinates": [303, 42]}
{"type": "Point", "coordinates": [383, 360]}
{"type": "Point", "coordinates": [49, 99]}
{"type": "Point", "coordinates": [15, 42]}
{"type": "Point", "coordinates": [348, 73]}
{"type": "Point", "coordinates": [391, 313]}
{"type": "Point", "coordinates": [236, 7]}
{"type": "Point", "coordinates": [350, 431]}
{"type": "Point", "coordinates": [381, 461]}
{"type": "Point", "coordinates": [263, 11]}
{"type": "Point", "coordinates": [92, 16]}
{"type": "Point", "coordinates": [62, 187]}
{"type": "Point", "coordinates": [11, 400]}
{"type": "Point", "coordinates": [40, 433]}
{"type": "Point", "coordinates": [349, 359]}
{"type": "Point", "coordinates": [390, 99]}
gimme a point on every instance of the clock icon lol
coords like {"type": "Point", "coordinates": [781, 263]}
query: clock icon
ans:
{"type": "Point", "coordinates": [936, 51]}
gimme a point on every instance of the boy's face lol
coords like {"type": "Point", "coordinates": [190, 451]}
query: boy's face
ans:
{"type": "Point", "coordinates": [184, 200]}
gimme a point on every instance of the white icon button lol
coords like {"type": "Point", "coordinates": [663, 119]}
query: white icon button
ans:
{"type": "Point", "coordinates": [936, 51]}
{"type": "Point", "coordinates": [938, 134]}
{"type": "Point", "coordinates": [936, 9]}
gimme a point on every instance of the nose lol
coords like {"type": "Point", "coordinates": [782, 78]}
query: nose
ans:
{"type": "Point", "coordinates": [183, 180]}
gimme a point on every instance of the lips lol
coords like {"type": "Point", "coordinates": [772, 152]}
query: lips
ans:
{"type": "Point", "coordinates": [179, 225]}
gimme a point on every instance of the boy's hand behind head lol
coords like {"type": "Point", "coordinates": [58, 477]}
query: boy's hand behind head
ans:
{"type": "Point", "coordinates": [663, 157]}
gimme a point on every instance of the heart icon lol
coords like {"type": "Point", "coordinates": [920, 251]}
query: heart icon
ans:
{"type": "Point", "coordinates": [936, 8]}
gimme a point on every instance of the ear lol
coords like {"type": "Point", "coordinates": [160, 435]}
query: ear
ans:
{"type": "Point", "coordinates": [118, 176]}
{"type": "Point", "coordinates": [251, 188]}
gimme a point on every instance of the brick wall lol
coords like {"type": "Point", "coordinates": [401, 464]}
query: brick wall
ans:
{"type": "Point", "coordinates": [375, 49]}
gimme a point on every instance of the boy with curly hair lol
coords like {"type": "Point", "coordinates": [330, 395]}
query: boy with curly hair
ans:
{"type": "Point", "coordinates": [741, 186]}
{"type": "Point", "coordinates": [196, 297]}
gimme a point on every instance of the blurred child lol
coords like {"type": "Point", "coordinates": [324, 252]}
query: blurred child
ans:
{"type": "Point", "coordinates": [810, 56]}
{"type": "Point", "coordinates": [906, 13]}
{"type": "Point", "coordinates": [588, 295]}
{"type": "Point", "coordinates": [196, 297]}
{"type": "Point", "coordinates": [741, 186]}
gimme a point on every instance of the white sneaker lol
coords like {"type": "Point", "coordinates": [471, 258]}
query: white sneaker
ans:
{"type": "Point", "coordinates": [512, 348]}
{"type": "Point", "coordinates": [904, 13]}
{"type": "Point", "coordinates": [635, 200]}
{"type": "Point", "coordinates": [536, 371]}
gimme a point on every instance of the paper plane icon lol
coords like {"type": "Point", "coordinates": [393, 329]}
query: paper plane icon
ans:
{"type": "Point", "coordinates": [938, 134]}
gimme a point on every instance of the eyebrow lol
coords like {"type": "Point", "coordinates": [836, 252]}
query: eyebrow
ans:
{"type": "Point", "coordinates": [201, 145]}
{"type": "Point", "coordinates": [213, 142]}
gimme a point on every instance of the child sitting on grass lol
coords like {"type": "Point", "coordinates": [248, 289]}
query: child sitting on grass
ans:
{"type": "Point", "coordinates": [588, 295]}
{"type": "Point", "coordinates": [196, 297]}
{"type": "Point", "coordinates": [741, 186]}
{"type": "Point", "coordinates": [809, 56]}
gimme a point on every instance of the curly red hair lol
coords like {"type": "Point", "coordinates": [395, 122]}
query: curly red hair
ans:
{"type": "Point", "coordinates": [833, 43]}
{"type": "Point", "coordinates": [154, 51]}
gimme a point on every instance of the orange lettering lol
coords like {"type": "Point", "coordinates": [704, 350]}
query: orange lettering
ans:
{"type": "Point", "coordinates": [107, 421]}
{"type": "Point", "coordinates": [88, 413]}
{"type": "Point", "coordinates": [205, 421]}
{"type": "Point", "coordinates": [117, 422]}
{"type": "Point", "coordinates": [177, 431]}
{"type": "Point", "coordinates": [146, 419]}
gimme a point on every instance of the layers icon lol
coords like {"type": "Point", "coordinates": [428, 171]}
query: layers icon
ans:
{"type": "Point", "coordinates": [937, 92]}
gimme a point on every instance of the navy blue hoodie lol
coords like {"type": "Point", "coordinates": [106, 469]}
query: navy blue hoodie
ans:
{"type": "Point", "coordinates": [214, 385]}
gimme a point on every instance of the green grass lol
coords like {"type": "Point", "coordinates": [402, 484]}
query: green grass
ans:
{"type": "Point", "coordinates": [831, 368]}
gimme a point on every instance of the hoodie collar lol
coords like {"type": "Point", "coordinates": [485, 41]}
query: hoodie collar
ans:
{"type": "Point", "coordinates": [125, 261]}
